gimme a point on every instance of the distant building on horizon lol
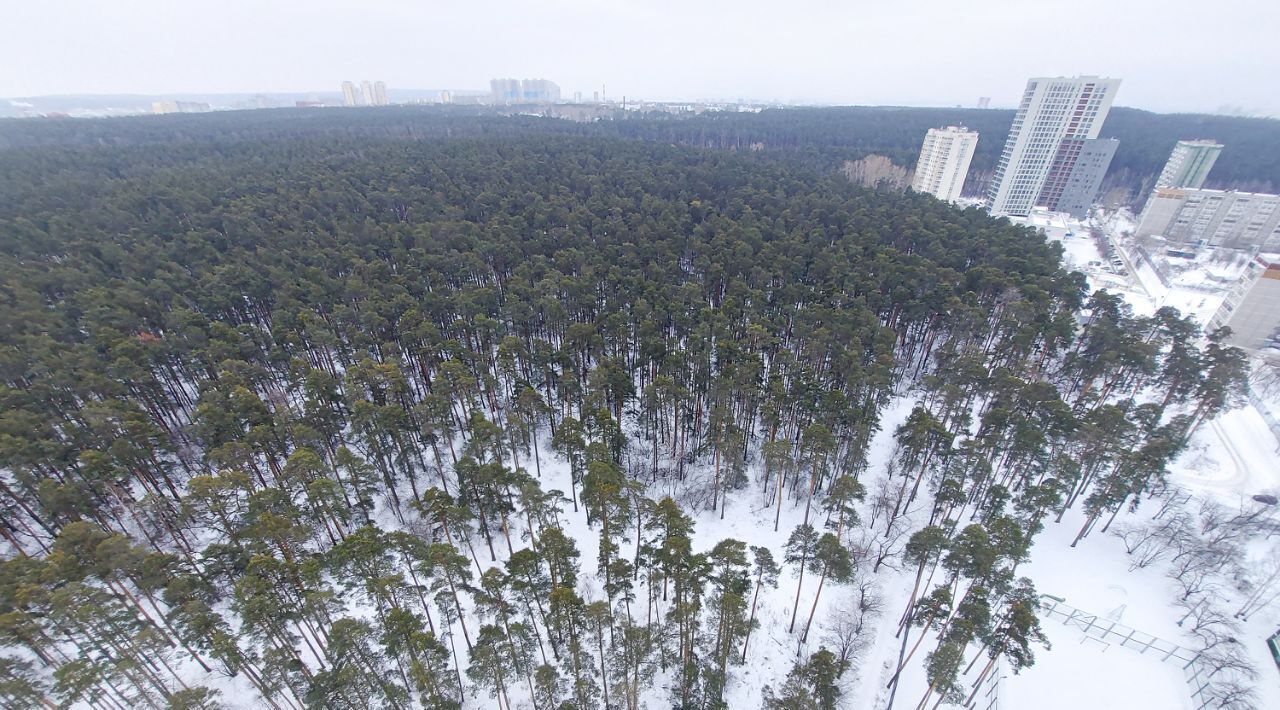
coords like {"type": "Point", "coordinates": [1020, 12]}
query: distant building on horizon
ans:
{"type": "Point", "coordinates": [446, 96]}
{"type": "Point", "coordinates": [1054, 118]}
{"type": "Point", "coordinates": [369, 93]}
{"type": "Point", "coordinates": [179, 107]}
{"type": "Point", "coordinates": [1215, 218]}
{"type": "Point", "coordinates": [539, 91]}
{"type": "Point", "coordinates": [350, 97]}
{"type": "Point", "coordinates": [944, 162]}
{"type": "Point", "coordinates": [523, 91]}
{"type": "Point", "coordinates": [504, 91]}
{"type": "Point", "coordinates": [984, 102]}
{"type": "Point", "coordinates": [1189, 164]}
{"type": "Point", "coordinates": [1252, 308]}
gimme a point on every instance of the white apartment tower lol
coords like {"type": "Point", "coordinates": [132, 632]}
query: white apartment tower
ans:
{"type": "Point", "coordinates": [527, 91]}
{"type": "Point", "coordinates": [1189, 164]}
{"type": "Point", "coordinates": [1056, 115]}
{"type": "Point", "coordinates": [944, 162]}
{"type": "Point", "coordinates": [350, 97]}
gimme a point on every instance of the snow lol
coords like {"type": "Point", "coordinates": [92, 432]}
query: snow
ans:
{"type": "Point", "coordinates": [1094, 577]}
{"type": "Point", "coordinates": [1196, 288]}
{"type": "Point", "coordinates": [1233, 456]}
{"type": "Point", "coordinates": [1230, 459]}
{"type": "Point", "coordinates": [1081, 672]}
{"type": "Point", "coordinates": [772, 649]}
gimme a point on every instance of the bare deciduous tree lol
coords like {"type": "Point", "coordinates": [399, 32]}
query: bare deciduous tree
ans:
{"type": "Point", "coordinates": [852, 626]}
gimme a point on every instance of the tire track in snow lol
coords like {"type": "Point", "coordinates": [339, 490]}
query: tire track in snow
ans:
{"type": "Point", "coordinates": [1242, 469]}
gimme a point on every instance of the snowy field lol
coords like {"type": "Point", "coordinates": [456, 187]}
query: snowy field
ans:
{"type": "Point", "coordinates": [1081, 672]}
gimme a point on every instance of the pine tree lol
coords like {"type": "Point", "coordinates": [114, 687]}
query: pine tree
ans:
{"type": "Point", "coordinates": [568, 622]}
{"type": "Point", "coordinates": [765, 571]}
{"type": "Point", "coordinates": [830, 561]}
{"type": "Point", "coordinates": [728, 573]}
{"type": "Point", "coordinates": [491, 665]}
{"type": "Point", "coordinates": [812, 684]}
{"type": "Point", "coordinates": [800, 548]}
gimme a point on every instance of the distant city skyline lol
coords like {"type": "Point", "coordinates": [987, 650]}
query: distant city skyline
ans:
{"type": "Point", "coordinates": [369, 93]}
{"type": "Point", "coordinates": [807, 51]}
{"type": "Point", "coordinates": [511, 91]}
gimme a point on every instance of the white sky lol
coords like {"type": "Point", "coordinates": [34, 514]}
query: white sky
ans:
{"type": "Point", "coordinates": [1172, 54]}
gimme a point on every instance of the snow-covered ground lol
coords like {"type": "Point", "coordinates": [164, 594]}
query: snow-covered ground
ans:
{"type": "Point", "coordinates": [1235, 457]}
{"type": "Point", "coordinates": [1196, 289]}
{"type": "Point", "coordinates": [1081, 672]}
{"type": "Point", "coordinates": [1230, 461]}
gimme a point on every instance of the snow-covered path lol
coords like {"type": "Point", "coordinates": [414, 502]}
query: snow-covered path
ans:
{"type": "Point", "coordinates": [1234, 456]}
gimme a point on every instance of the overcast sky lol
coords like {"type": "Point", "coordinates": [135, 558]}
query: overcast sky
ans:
{"type": "Point", "coordinates": [1173, 55]}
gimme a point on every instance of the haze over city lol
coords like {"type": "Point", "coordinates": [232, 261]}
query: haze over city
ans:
{"type": "Point", "coordinates": [1174, 55]}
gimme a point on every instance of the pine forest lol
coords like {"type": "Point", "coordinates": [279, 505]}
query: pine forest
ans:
{"type": "Point", "coordinates": [482, 415]}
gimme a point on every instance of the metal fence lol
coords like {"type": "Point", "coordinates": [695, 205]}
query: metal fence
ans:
{"type": "Point", "coordinates": [1114, 633]}
{"type": "Point", "coordinates": [988, 695]}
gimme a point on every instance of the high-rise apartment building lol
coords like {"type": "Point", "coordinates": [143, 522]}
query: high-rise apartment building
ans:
{"type": "Point", "coordinates": [1252, 308]}
{"type": "Point", "coordinates": [1215, 218]}
{"type": "Point", "coordinates": [504, 91]}
{"type": "Point", "coordinates": [1189, 164]}
{"type": "Point", "coordinates": [350, 97]}
{"type": "Point", "coordinates": [179, 107]}
{"type": "Point", "coordinates": [369, 93]}
{"type": "Point", "coordinates": [944, 162]}
{"type": "Point", "coordinates": [1077, 193]}
{"type": "Point", "coordinates": [539, 91]}
{"type": "Point", "coordinates": [529, 91]}
{"type": "Point", "coordinates": [1053, 110]}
